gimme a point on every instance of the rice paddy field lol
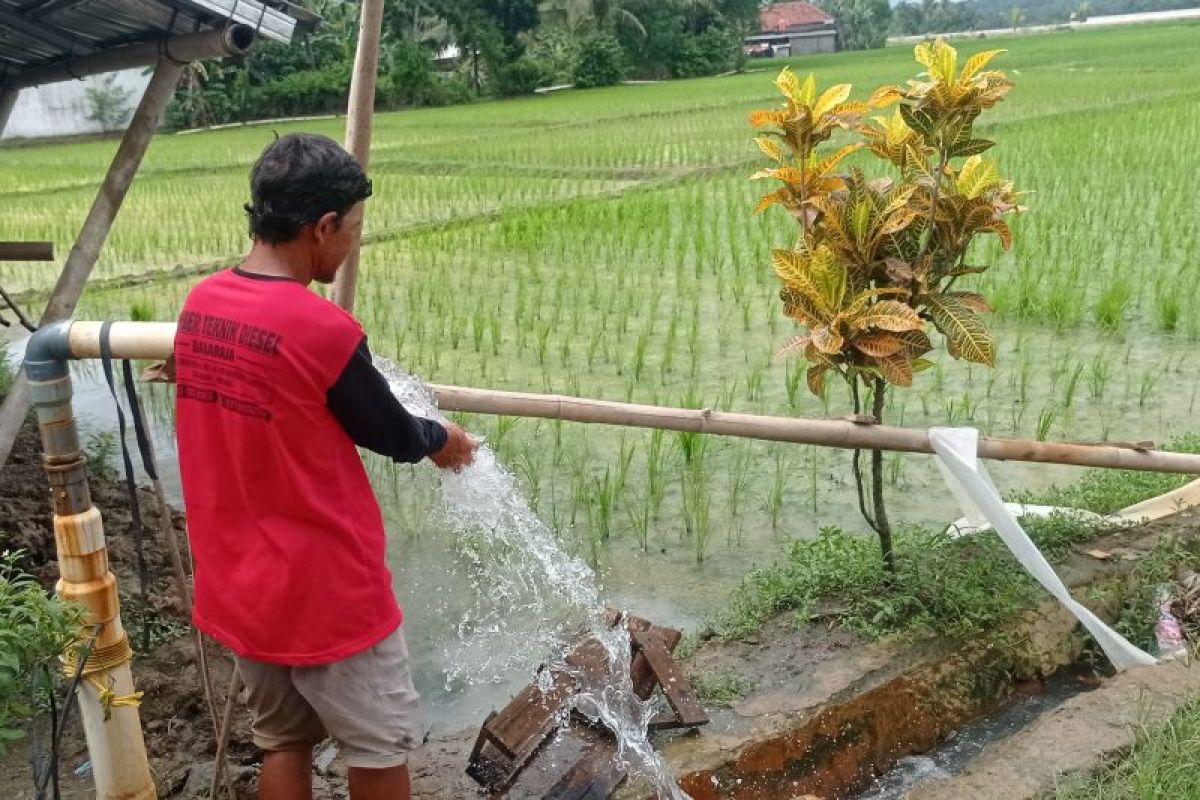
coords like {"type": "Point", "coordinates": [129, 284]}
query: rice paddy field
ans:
{"type": "Point", "coordinates": [603, 244]}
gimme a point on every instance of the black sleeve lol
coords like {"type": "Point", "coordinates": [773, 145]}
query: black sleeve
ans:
{"type": "Point", "coordinates": [374, 418]}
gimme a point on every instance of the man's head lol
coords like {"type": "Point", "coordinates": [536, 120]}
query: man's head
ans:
{"type": "Point", "coordinates": [307, 192]}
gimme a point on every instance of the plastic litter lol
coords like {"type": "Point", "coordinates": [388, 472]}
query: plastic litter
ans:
{"type": "Point", "coordinates": [956, 450]}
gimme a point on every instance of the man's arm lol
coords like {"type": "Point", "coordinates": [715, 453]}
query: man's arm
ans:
{"type": "Point", "coordinates": [368, 411]}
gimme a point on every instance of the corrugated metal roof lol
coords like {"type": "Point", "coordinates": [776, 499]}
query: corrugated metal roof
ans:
{"type": "Point", "coordinates": [38, 32]}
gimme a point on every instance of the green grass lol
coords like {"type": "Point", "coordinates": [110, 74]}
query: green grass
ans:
{"type": "Point", "coordinates": [1165, 763]}
{"type": "Point", "coordinates": [959, 588]}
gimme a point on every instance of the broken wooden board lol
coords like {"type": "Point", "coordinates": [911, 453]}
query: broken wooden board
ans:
{"type": "Point", "coordinates": [593, 777]}
{"type": "Point", "coordinates": [510, 740]}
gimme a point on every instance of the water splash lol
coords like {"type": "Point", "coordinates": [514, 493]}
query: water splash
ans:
{"type": "Point", "coordinates": [532, 596]}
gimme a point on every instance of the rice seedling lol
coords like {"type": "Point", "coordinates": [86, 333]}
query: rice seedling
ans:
{"type": "Point", "coordinates": [617, 258]}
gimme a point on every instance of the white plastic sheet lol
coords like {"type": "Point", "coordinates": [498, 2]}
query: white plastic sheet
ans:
{"type": "Point", "coordinates": [969, 482]}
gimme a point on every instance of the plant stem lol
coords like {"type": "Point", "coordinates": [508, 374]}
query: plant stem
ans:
{"type": "Point", "coordinates": [882, 526]}
{"type": "Point", "coordinates": [856, 461]}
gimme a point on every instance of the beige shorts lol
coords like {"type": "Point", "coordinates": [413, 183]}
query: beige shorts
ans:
{"type": "Point", "coordinates": [366, 702]}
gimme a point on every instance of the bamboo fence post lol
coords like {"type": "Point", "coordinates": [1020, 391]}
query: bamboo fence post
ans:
{"type": "Point", "coordinates": [94, 232]}
{"type": "Point", "coordinates": [359, 118]}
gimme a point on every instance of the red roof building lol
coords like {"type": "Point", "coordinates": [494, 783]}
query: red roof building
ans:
{"type": "Point", "coordinates": [784, 17]}
{"type": "Point", "coordinates": [789, 29]}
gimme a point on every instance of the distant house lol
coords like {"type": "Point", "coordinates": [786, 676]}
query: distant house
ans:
{"type": "Point", "coordinates": [790, 29]}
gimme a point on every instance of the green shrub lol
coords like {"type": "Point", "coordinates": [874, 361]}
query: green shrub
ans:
{"type": "Point", "coordinates": [557, 50]}
{"type": "Point", "coordinates": [521, 77]}
{"type": "Point", "coordinates": [601, 62]}
{"type": "Point", "coordinates": [709, 53]}
{"type": "Point", "coordinates": [413, 82]}
{"type": "Point", "coordinates": [35, 628]}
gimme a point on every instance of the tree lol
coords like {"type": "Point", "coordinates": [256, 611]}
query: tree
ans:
{"type": "Point", "coordinates": [490, 30]}
{"type": "Point", "coordinates": [862, 24]}
{"type": "Point", "coordinates": [108, 104]}
{"type": "Point", "coordinates": [1016, 16]}
{"type": "Point", "coordinates": [878, 258]}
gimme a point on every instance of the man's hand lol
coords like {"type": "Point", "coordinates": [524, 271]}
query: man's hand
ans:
{"type": "Point", "coordinates": [458, 451]}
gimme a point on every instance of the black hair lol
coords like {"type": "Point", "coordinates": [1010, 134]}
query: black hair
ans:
{"type": "Point", "coordinates": [298, 179]}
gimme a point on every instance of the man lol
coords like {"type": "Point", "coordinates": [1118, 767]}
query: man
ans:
{"type": "Point", "coordinates": [275, 387]}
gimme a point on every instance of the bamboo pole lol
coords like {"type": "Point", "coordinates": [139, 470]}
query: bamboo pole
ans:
{"type": "Point", "coordinates": [359, 118]}
{"type": "Point", "coordinates": [25, 251]}
{"type": "Point", "coordinates": [94, 232]}
{"type": "Point", "coordinates": [154, 340]}
{"type": "Point", "coordinates": [8, 99]}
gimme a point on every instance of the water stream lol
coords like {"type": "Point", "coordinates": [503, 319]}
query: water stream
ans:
{"type": "Point", "coordinates": [529, 596]}
{"type": "Point", "coordinates": [954, 754]}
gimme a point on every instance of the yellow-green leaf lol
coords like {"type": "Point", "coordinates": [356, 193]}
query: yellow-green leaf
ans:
{"type": "Point", "coordinates": [976, 176]}
{"type": "Point", "coordinates": [896, 369]}
{"type": "Point", "coordinates": [976, 63]}
{"type": "Point", "coordinates": [815, 377]}
{"type": "Point", "coordinates": [890, 315]}
{"type": "Point", "coordinates": [966, 336]}
{"type": "Point", "coordinates": [770, 147]}
{"type": "Point", "coordinates": [793, 346]}
{"type": "Point", "coordinates": [884, 96]}
{"type": "Point", "coordinates": [827, 340]}
{"type": "Point", "coordinates": [878, 344]}
{"type": "Point", "coordinates": [788, 84]}
{"type": "Point", "coordinates": [777, 196]}
{"type": "Point", "coordinates": [831, 161]}
{"type": "Point", "coordinates": [915, 343]}
{"type": "Point", "coordinates": [972, 300]}
{"type": "Point", "coordinates": [760, 119]}
{"type": "Point", "coordinates": [808, 91]}
{"type": "Point", "coordinates": [830, 98]}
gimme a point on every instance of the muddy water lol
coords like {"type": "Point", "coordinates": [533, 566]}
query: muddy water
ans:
{"type": "Point", "coordinates": [956, 752]}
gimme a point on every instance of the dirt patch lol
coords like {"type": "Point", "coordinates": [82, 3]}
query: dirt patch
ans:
{"type": "Point", "coordinates": [174, 715]}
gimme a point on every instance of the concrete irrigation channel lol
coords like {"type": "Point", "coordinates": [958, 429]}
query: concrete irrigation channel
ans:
{"type": "Point", "coordinates": [830, 713]}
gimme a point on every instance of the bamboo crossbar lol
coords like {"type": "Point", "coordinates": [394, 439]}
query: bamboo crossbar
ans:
{"type": "Point", "coordinates": [153, 340]}
{"type": "Point", "coordinates": [26, 251]}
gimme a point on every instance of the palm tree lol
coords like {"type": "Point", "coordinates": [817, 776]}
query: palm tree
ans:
{"type": "Point", "coordinates": [606, 15]}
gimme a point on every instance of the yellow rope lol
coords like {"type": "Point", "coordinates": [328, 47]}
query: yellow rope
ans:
{"type": "Point", "coordinates": [109, 700]}
{"type": "Point", "coordinates": [102, 659]}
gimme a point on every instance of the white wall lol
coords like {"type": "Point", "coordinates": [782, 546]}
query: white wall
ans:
{"type": "Point", "coordinates": [59, 109]}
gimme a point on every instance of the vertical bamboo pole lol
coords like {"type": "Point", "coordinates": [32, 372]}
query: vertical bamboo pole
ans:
{"type": "Point", "coordinates": [359, 118]}
{"type": "Point", "coordinates": [92, 235]}
{"type": "Point", "coordinates": [107, 701]}
{"type": "Point", "coordinates": [8, 99]}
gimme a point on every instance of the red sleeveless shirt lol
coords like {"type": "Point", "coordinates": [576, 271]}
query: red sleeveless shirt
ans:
{"type": "Point", "coordinates": [287, 535]}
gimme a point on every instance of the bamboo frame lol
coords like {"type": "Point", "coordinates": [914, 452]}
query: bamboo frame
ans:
{"type": "Point", "coordinates": [26, 251]}
{"type": "Point", "coordinates": [8, 99]}
{"type": "Point", "coordinates": [154, 340]}
{"type": "Point", "coordinates": [359, 119]}
{"type": "Point", "coordinates": [235, 39]}
{"type": "Point", "coordinates": [95, 230]}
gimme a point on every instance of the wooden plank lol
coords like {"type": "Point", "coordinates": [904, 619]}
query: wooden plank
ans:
{"type": "Point", "coordinates": [676, 686]}
{"type": "Point", "coordinates": [595, 776]}
{"type": "Point", "coordinates": [640, 671]}
{"type": "Point", "coordinates": [26, 251]}
{"type": "Point", "coordinates": [666, 721]}
{"type": "Point", "coordinates": [530, 716]}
